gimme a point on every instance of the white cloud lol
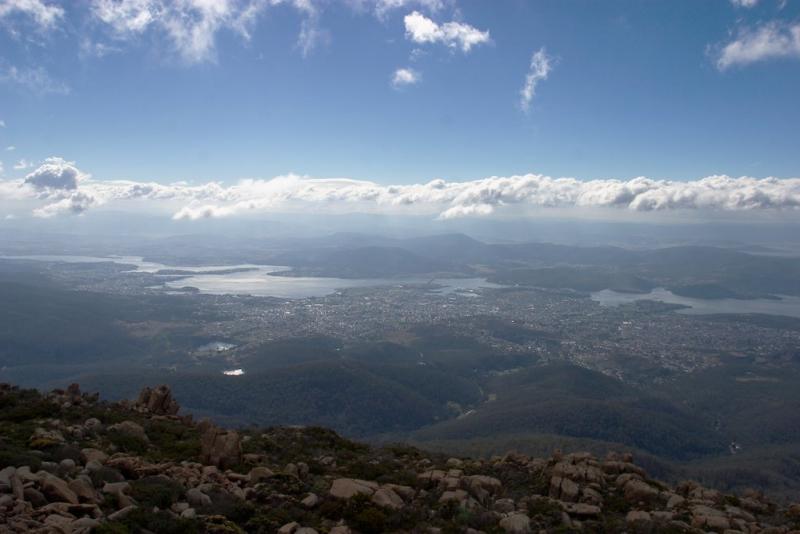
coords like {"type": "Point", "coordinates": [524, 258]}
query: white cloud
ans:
{"type": "Point", "coordinates": [207, 211]}
{"type": "Point", "coordinates": [483, 197]}
{"type": "Point", "coordinates": [98, 49]}
{"type": "Point", "coordinates": [2, 123]}
{"type": "Point", "coordinates": [22, 164]}
{"type": "Point", "coordinates": [62, 188]}
{"type": "Point", "coordinates": [126, 16]}
{"type": "Point", "coordinates": [10, 148]}
{"type": "Point", "coordinates": [1, 167]}
{"type": "Point", "coordinates": [55, 174]}
{"type": "Point", "coordinates": [540, 67]}
{"type": "Point", "coordinates": [75, 203]}
{"type": "Point", "coordinates": [383, 7]}
{"type": "Point", "coordinates": [744, 3]}
{"type": "Point", "coordinates": [192, 26]}
{"type": "Point", "coordinates": [58, 183]}
{"type": "Point", "coordinates": [46, 15]}
{"type": "Point", "coordinates": [420, 29]}
{"type": "Point", "coordinates": [36, 80]}
{"type": "Point", "coordinates": [405, 76]}
{"type": "Point", "coordinates": [311, 34]}
{"type": "Point", "coordinates": [771, 40]}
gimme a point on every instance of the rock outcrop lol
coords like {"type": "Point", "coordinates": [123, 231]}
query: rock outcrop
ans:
{"type": "Point", "coordinates": [134, 467]}
{"type": "Point", "coordinates": [157, 401]}
{"type": "Point", "coordinates": [218, 447]}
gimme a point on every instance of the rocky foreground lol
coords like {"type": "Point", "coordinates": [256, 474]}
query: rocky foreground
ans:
{"type": "Point", "coordinates": [72, 464]}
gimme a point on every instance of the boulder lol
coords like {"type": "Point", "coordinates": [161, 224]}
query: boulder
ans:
{"type": "Point", "coordinates": [489, 484]}
{"type": "Point", "coordinates": [406, 492]}
{"type": "Point", "coordinates": [17, 486]}
{"type": "Point", "coordinates": [129, 428]}
{"type": "Point", "coordinates": [454, 495]}
{"type": "Point", "coordinates": [58, 523]}
{"type": "Point", "coordinates": [637, 517]}
{"type": "Point", "coordinates": [259, 474]}
{"type": "Point", "coordinates": [93, 455]}
{"type": "Point", "coordinates": [289, 528]}
{"type": "Point", "coordinates": [564, 489]}
{"type": "Point", "coordinates": [84, 490]}
{"type": "Point", "coordinates": [197, 498]}
{"type": "Point", "coordinates": [120, 491]}
{"type": "Point", "coordinates": [345, 488]}
{"type": "Point", "coordinates": [122, 514]}
{"type": "Point", "coordinates": [218, 447]}
{"type": "Point", "coordinates": [504, 506]}
{"type": "Point", "coordinates": [709, 518]}
{"type": "Point", "coordinates": [310, 501]}
{"type": "Point", "coordinates": [5, 475]}
{"type": "Point", "coordinates": [35, 497]}
{"type": "Point", "coordinates": [637, 490]}
{"type": "Point", "coordinates": [516, 523]}
{"type": "Point", "coordinates": [57, 490]}
{"type": "Point", "coordinates": [157, 401]}
{"type": "Point", "coordinates": [387, 498]}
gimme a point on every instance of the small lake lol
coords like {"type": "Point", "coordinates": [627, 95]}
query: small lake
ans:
{"type": "Point", "coordinates": [255, 280]}
{"type": "Point", "coordinates": [789, 306]}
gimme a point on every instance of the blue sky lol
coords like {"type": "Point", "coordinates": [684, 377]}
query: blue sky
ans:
{"type": "Point", "coordinates": [670, 90]}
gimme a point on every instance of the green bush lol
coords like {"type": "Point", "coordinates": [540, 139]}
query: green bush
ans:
{"type": "Point", "coordinates": [161, 522]}
{"type": "Point", "coordinates": [156, 490]}
{"type": "Point", "coordinates": [127, 443]}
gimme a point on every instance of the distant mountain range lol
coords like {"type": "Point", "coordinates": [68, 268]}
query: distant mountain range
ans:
{"type": "Point", "coordinates": [701, 272]}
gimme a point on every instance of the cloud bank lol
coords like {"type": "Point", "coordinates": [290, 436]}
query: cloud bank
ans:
{"type": "Point", "coordinates": [59, 187]}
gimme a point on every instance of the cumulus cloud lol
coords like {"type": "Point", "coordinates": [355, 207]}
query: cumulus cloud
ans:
{"type": "Point", "coordinates": [62, 188]}
{"type": "Point", "coordinates": [55, 174]}
{"type": "Point", "coordinates": [45, 15]}
{"type": "Point", "coordinates": [405, 76]}
{"type": "Point", "coordinates": [22, 164]}
{"type": "Point", "coordinates": [539, 69]}
{"type": "Point", "coordinates": [58, 183]}
{"type": "Point", "coordinates": [74, 204]}
{"type": "Point", "coordinates": [745, 3]}
{"type": "Point", "coordinates": [420, 29]}
{"type": "Point", "coordinates": [35, 80]}
{"type": "Point", "coordinates": [772, 40]}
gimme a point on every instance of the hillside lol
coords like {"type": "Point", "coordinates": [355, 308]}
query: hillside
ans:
{"type": "Point", "coordinates": [71, 463]}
